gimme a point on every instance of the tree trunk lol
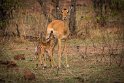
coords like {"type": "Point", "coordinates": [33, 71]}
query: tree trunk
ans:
{"type": "Point", "coordinates": [57, 10]}
{"type": "Point", "coordinates": [44, 8]}
{"type": "Point", "coordinates": [72, 23]}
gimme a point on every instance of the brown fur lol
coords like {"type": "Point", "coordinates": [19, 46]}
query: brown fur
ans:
{"type": "Point", "coordinates": [61, 31]}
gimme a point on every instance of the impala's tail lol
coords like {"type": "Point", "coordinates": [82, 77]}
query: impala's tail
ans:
{"type": "Point", "coordinates": [49, 33]}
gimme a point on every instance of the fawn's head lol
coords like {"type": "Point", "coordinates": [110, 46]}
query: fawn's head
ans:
{"type": "Point", "coordinates": [52, 41]}
{"type": "Point", "coordinates": [51, 36]}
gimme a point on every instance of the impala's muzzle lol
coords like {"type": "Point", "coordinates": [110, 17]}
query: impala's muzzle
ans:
{"type": "Point", "coordinates": [64, 18]}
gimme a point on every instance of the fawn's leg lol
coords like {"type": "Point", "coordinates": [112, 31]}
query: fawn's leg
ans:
{"type": "Point", "coordinates": [44, 60]}
{"type": "Point", "coordinates": [40, 59]}
{"type": "Point", "coordinates": [51, 57]}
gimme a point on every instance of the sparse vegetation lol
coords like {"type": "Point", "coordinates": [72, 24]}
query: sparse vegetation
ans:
{"type": "Point", "coordinates": [95, 52]}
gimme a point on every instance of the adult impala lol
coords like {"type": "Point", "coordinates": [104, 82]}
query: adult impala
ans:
{"type": "Point", "coordinates": [60, 30]}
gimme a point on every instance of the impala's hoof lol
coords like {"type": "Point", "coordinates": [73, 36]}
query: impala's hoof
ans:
{"type": "Point", "coordinates": [67, 66]}
{"type": "Point", "coordinates": [36, 65]}
{"type": "Point", "coordinates": [58, 67]}
{"type": "Point", "coordinates": [44, 67]}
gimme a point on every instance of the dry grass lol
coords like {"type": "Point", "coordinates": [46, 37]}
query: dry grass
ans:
{"type": "Point", "coordinates": [96, 61]}
{"type": "Point", "coordinates": [85, 66]}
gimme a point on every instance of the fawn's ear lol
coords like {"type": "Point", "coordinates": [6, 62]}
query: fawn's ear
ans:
{"type": "Point", "coordinates": [51, 33]}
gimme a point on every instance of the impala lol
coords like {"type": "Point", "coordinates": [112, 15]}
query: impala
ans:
{"type": "Point", "coordinates": [60, 30]}
{"type": "Point", "coordinates": [46, 46]}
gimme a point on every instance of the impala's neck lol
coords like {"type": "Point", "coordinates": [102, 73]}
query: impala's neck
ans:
{"type": "Point", "coordinates": [66, 23]}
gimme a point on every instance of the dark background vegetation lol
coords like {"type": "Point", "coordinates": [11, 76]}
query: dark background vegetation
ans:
{"type": "Point", "coordinates": [97, 31]}
{"type": "Point", "coordinates": [20, 15]}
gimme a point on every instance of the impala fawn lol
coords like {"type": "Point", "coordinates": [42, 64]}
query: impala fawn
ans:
{"type": "Point", "coordinates": [47, 46]}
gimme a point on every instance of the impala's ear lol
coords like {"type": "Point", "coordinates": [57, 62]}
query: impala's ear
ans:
{"type": "Point", "coordinates": [71, 7]}
{"type": "Point", "coordinates": [57, 8]}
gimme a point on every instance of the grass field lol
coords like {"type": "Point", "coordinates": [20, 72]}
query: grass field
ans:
{"type": "Point", "coordinates": [95, 53]}
{"type": "Point", "coordinates": [88, 64]}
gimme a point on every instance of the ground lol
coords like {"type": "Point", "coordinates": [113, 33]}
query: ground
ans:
{"type": "Point", "coordinates": [88, 64]}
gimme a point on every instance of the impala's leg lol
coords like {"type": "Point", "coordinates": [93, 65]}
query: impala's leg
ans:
{"type": "Point", "coordinates": [44, 57]}
{"type": "Point", "coordinates": [59, 53]}
{"type": "Point", "coordinates": [51, 59]}
{"type": "Point", "coordinates": [66, 57]}
{"type": "Point", "coordinates": [44, 60]}
{"type": "Point", "coordinates": [52, 62]}
{"type": "Point", "coordinates": [40, 59]}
